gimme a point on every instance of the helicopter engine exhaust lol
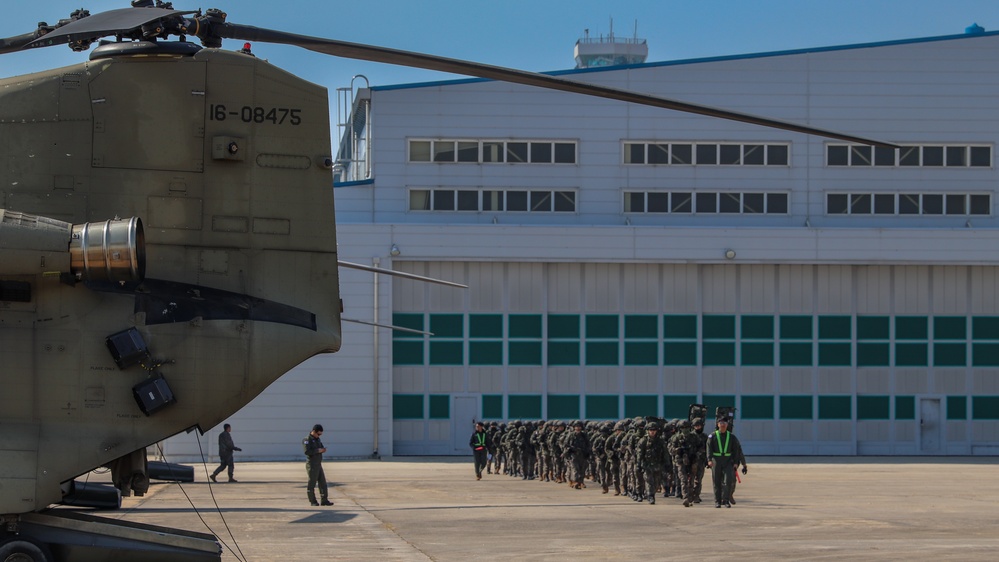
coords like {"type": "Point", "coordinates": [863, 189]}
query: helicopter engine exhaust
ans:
{"type": "Point", "coordinates": [112, 251]}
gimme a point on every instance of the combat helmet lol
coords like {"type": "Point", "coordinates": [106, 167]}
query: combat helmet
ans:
{"type": "Point", "coordinates": [652, 426]}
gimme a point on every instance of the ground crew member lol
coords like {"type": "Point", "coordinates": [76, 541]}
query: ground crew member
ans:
{"type": "Point", "coordinates": [314, 449]}
{"type": "Point", "coordinates": [723, 450]}
{"type": "Point", "coordinates": [478, 443]}
{"type": "Point", "coordinates": [226, 447]}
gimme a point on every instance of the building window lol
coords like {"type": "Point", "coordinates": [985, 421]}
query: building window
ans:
{"type": "Point", "coordinates": [685, 202]}
{"type": "Point", "coordinates": [492, 200]}
{"type": "Point", "coordinates": [705, 154]}
{"type": "Point", "coordinates": [951, 156]}
{"type": "Point", "coordinates": [475, 151]}
{"type": "Point", "coordinates": [926, 204]}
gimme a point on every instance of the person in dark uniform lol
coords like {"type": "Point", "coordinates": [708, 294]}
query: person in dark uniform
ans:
{"type": "Point", "coordinates": [479, 443]}
{"type": "Point", "coordinates": [226, 447]}
{"type": "Point", "coordinates": [723, 451]}
{"type": "Point", "coordinates": [314, 450]}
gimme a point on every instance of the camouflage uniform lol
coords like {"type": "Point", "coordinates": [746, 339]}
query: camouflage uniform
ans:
{"type": "Point", "coordinates": [651, 455]}
{"type": "Point", "coordinates": [683, 448]}
{"type": "Point", "coordinates": [578, 452]}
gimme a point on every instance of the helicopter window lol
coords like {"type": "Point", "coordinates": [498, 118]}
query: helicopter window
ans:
{"type": "Point", "coordinates": [884, 203]}
{"type": "Point", "coordinates": [468, 151]}
{"type": "Point", "coordinates": [681, 202]}
{"type": "Point", "coordinates": [419, 200]}
{"type": "Point", "coordinates": [933, 156]}
{"type": "Point", "coordinates": [541, 200]}
{"type": "Point", "coordinates": [777, 203]}
{"type": "Point", "coordinates": [516, 152]}
{"type": "Point", "coordinates": [707, 153]}
{"type": "Point", "coordinates": [728, 203]}
{"type": "Point", "coordinates": [753, 202]}
{"type": "Point", "coordinates": [541, 152]}
{"type": "Point", "coordinates": [730, 154]}
{"type": "Point", "coordinates": [468, 200]}
{"type": "Point", "coordinates": [707, 203]}
{"type": "Point", "coordinates": [634, 153]}
{"type": "Point", "coordinates": [658, 154]}
{"type": "Point", "coordinates": [565, 153]}
{"type": "Point", "coordinates": [932, 204]}
{"type": "Point", "coordinates": [492, 151]}
{"type": "Point", "coordinates": [443, 200]}
{"type": "Point", "coordinates": [419, 151]}
{"type": "Point", "coordinates": [681, 154]}
{"type": "Point", "coordinates": [777, 154]}
{"type": "Point", "coordinates": [443, 151]}
{"type": "Point", "coordinates": [658, 202]}
{"type": "Point", "coordinates": [753, 155]}
{"type": "Point", "coordinates": [565, 201]}
{"type": "Point", "coordinates": [516, 201]}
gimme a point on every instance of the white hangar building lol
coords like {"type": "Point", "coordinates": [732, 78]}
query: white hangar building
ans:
{"type": "Point", "coordinates": [626, 261]}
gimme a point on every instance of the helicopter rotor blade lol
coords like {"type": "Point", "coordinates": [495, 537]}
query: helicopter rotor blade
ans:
{"type": "Point", "coordinates": [123, 21]}
{"type": "Point", "coordinates": [456, 66]}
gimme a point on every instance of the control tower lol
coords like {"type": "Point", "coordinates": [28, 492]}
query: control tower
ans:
{"type": "Point", "coordinates": [609, 50]}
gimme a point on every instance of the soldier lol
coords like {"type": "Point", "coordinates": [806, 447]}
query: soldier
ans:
{"type": "Point", "coordinates": [556, 446]}
{"type": "Point", "coordinates": [491, 446]}
{"type": "Point", "coordinates": [479, 449]}
{"type": "Point", "coordinates": [313, 446]}
{"type": "Point", "coordinates": [579, 454]}
{"type": "Point", "coordinates": [702, 459]}
{"type": "Point", "coordinates": [614, 456]}
{"type": "Point", "coordinates": [683, 448]}
{"type": "Point", "coordinates": [527, 451]}
{"type": "Point", "coordinates": [497, 441]}
{"type": "Point", "coordinates": [723, 449]}
{"type": "Point", "coordinates": [651, 457]}
{"type": "Point", "coordinates": [226, 447]}
{"type": "Point", "coordinates": [599, 446]}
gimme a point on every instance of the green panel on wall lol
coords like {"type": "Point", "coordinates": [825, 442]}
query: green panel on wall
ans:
{"type": "Point", "coordinates": [795, 354]}
{"type": "Point", "coordinates": [601, 353]}
{"type": "Point", "coordinates": [680, 326]}
{"type": "Point", "coordinates": [835, 408]}
{"type": "Point", "coordinates": [447, 325]}
{"type": "Point", "coordinates": [985, 407]}
{"type": "Point", "coordinates": [407, 352]}
{"type": "Point", "coordinates": [718, 327]}
{"type": "Point", "coordinates": [492, 406]}
{"type": "Point", "coordinates": [602, 407]}
{"type": "Point", "coordinates": [985, 328]}
{"type": "Point", "coordinates": [677, 406]}
{"type": "Point", "coordinates": [563, 326]}
{"type": "Point", "coordinates": [719, 354]}
{"type": "Point", "coordinates": [873, 355]}
{"type": "Point", "coordinates": [524, 353]}
{"type": "Point", "coordinates": [834, 328]}
{"type": "Point", "coordinates": [485, 325]}
{"type": "Point", "coordinates": [873, 407]}
{"type": "Point", "coordinates": [757, 327]}
{"type": "Point", "coordinates": [563, 353]}
{"type": "Point", "coordinates": [680, 353]}
{"type": "Point", "coordinates": [795, 327]}
{"type": "Point", "coordinates": [756, 408]}
{"type": "Point", "coordinates": [834, 355]}
{"type": "Point", "coordinates": [440, 406]}
{"type": "Point", "coordinates": [950, 328]}
{"type": "Point", "coordinates": [523, 406]}
{"type": "Point", "coordinates": [911, 354]}
{"type": "Point", "coordinates": [407, 320]}
{"type": "Point", "coordinates": [985, 354]}
{"type": "Point", "coordinates": [485, 353]}
{"type": "Point", "coordinates": [957, 408]}
{"type": "Point", "coordinates": [641, 405]}
{"type": "Point", "coordinates": [601, 326]}
{"type": "Point", "coordinates": [950, 355]}
{"type": "Point", "coordinates": [911, 328]}
{"type": "Point", "coordinates": [642, 353]}
{"type": "Point", "coordinates": [524, 326]}
{"type": "Point", "coordinates": [641, 326]}
{"type": "Point", "coordinates": [407, 406]}
{"type": "Point", "coordinates": [796, 407]}
{"type": "Point", "coordinates": [905, 407]}
{"type": "Point", "coordinates": [447, 353]}
{"type": "Point", "coordinates": [563, 407]}
{"type": "Point", "coordinates": [757, 354]}
{"type": "Point", "coordinates": [873, 327]}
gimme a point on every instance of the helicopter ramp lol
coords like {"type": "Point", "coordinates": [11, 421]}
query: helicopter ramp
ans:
{"type": "Point", "coordinates": [77, 537]}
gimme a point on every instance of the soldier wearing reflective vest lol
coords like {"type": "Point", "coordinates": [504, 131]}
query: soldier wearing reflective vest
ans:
{"type": "Point", "coordinates": [723, 451]}
{"type": "Point", "coordinates": [479, 443]}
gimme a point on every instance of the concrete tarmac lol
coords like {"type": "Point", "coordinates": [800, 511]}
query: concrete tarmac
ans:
{"type": "Point", "coordinates": [420, 508]}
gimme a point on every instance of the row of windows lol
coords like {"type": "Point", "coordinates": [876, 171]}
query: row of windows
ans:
{"type": "Point", "coordinates": [706, 154]}
{"type": "Point", "coordinates": [908, 204]}
{"type": "Point", "coordinates": [492, 151]}
{"type": "Point", "coordinates": [594, 340]}
{"type": "Point", "coordinates": [686, 202]}
{"type": "Point", "coordinates": [534, 200]}
{"type": "Point", "coordinates": [960, 156]}
{"type": "Point", "coordinates": [751, 407]}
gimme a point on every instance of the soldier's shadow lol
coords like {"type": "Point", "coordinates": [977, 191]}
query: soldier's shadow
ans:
{"type": "Point", "coordinates": [327, 517]}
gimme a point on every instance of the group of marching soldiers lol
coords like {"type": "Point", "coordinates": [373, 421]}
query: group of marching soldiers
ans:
{"type": "Point", "coordinates": [637, 457]}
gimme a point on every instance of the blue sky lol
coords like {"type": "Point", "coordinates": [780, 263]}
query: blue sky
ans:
{"type": "Point", "coordinates": [535, 35]}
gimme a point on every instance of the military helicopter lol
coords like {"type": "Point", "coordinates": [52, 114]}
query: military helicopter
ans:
{"type": "Point", "coordinates": [167, 250]}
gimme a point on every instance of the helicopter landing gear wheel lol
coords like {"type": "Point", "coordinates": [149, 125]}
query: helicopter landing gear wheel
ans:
{"type": "Point", "coordinates": [22, 550]}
